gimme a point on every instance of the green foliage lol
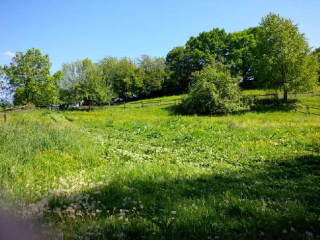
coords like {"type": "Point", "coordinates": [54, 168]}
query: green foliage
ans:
{"type": "Point", "coordinates": [84, 81]}
{"type": "Point", "coordinates": [152, 73]}
{"type": "Point", "coordinates": [317, 53]}
{"type": "Point", "coordinates": [282, 57]}
{"type": "Point", "coordinates": [241, 47]}
{"type": "Point", "coordinates": [178, 72]}
{"type": "Point", "coordinates": [125, 80]}
{"type": "Point", "coordinates": [208, 47]}
{"type": "Point", "coordinates": [29, 74]}
{"type": "Point", "coordinates": [215, 92]}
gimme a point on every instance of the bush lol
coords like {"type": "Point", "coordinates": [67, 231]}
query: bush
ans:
{"type": "Point", "coordinates": [214, 92]}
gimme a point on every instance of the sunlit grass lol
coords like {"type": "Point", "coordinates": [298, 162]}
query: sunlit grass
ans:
{"type": "Point", "coordinates": [146, 173]}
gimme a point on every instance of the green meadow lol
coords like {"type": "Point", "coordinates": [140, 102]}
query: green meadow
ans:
{"type": "Point", "coordinates": [147, 173]}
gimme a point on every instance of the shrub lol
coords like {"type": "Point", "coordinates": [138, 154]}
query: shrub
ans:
{"type": "Point", "coordinates": [214, 92]}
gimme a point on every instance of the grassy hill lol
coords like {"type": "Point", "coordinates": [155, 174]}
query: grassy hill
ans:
{"type": "Point", "coordinates": [148, 173]}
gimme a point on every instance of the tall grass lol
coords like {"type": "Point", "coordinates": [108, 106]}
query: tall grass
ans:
{"type": "Point", "coordinates": [145, 173]}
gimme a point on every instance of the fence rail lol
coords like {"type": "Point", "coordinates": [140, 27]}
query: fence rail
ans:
{"type": "Point", "coordinates": [175, 101]}
{"type": "Point", "coordinates": [17, 108]}
{"type": "Point", "coordinates": [307, 108]}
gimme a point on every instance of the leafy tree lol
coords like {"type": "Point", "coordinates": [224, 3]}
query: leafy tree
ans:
{"type": "Point", "coordinates": [107, 68]}
{"type": "Point", "coordinates": [125, 80]}
{"type": "Point", "coordinates": [49, 91]}
{"type": "Point", "coordinates": [178, 71]}
{"type": "Point", "coordinates": [26, 74]}
{"type": "Point", "coordinates": [83, 81]}
{"type": "Point", "coordinates": [152, 72]}
{"type": "Point", "coordinates": [215, 92]}
{"type": "Point", "coordinates": [317, 53]}
{"type": "Point", "coordinates": [241, 46]}
{"type": "Point", "coordinates": [94, 88]}
{"type": "Point", "coordinates": [282, 56]}
{"type": "Point", "coordinates": [204, 49]}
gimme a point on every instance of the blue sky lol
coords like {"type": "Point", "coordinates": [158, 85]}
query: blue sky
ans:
{"type": "Point", "coordinates": [68, 30]}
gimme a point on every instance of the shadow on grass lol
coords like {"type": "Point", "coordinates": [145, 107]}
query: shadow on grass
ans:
{"type": "Point", "coordinates": [271, 105]}
{"type": "Point", "coordinates": [277, 200]}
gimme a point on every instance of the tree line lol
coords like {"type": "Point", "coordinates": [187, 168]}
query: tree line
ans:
{"type": "Point", "coordinates": [273, 55]}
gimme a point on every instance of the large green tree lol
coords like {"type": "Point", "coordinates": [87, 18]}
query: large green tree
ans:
{"type": "Point", "coordinates": [126, 80]}
{"type": "Point", "coordinates": [240, 49]}
{"type": "Point", "coordinates": [152, 72]}
{"type": "Point", "coordinates": [199, 51]}
{"type": "Point", "coordinates": [83, 81]}
{"type": "Point", "coordinates": [282, 57]}
{"type": "Point", "coordinates": [27, 72]}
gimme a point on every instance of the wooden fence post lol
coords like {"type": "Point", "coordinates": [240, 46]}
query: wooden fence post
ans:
{"type": "Point", "coordinates": [254, 98]}
{"type": "Point", "coordinates": [5, 118]}
{"type": "Point", "coordinates": [159, 103]}
{"type": "Point", "coordinates": [141, 104]}
{"type": "Point", "coordinates": [124, 105]}
{"type": "Point", "coordinates": [308, 112]}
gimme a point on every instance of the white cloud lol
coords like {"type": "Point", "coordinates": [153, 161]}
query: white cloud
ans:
{"type": "Point", "coordinates": [8, 53]}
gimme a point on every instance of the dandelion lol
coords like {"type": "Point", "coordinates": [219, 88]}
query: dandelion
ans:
{"type": "Point", "coordinates": [141, 206]}
{"type": "Point", "coordinates": [215, 224]}
{"type": "Point", "coordinates": [309, 234]}
{"type": "Point", "coordinates": [98, 211]}
{"type": "Point", "coordinates": [174, 212]}
{"type": "Point", "coordinates": [193, 205]}
{"type": "Point", "coordinates": [292, 229]}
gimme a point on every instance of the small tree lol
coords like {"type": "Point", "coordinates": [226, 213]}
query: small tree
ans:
{"type": "Point", "coordinates": [215, 92]}
{"type": "Point", "coordinates": [282, 58]}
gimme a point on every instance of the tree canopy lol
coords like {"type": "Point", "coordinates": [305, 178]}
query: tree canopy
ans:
{"type": "Point", "coordinates": [282, 56]}
{"type": "Point", "coordinates": [27, 73]}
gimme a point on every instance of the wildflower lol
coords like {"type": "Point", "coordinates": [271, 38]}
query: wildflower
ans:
{"type": "Point", "coordinates": [141, 206]}
{"type": "Point", "coordinates": [173, 212]}
{"type": "Point", "coordinates": [98, 211]}
{"type": "Point", "coordinates": [309, 234]}
{"type": "Point", "coordinates": [284, 231]}
{"type": "Point", "coordinates": [193, 205]}
{"type": "Point", "coordinates": [215, 224]}
{"type": "Point", "coordinates": [292, 229]}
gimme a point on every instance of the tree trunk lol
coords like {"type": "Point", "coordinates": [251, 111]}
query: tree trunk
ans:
{"type": "Point", "coordinates": [285, 94]}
